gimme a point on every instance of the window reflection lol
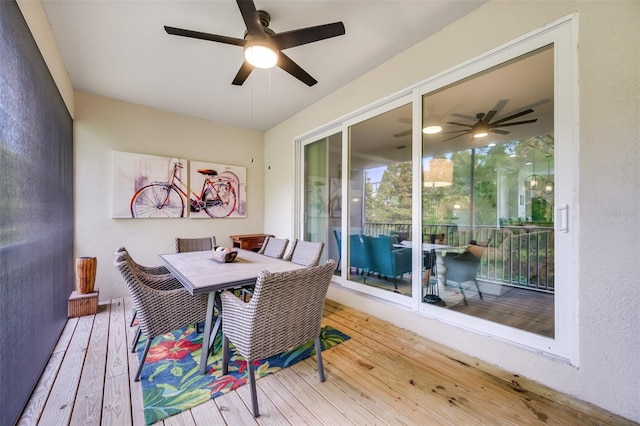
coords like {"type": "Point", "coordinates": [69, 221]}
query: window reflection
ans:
{"type": "Point", "coordinates": [494, 212]}
{"type": "Point", "coordinates": [381, 201]}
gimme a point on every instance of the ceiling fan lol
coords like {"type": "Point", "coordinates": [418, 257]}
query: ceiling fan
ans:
{"type": "Point", "coordinates": [484, 126]}
{"type": "Point", "coordinates": [260, 41]}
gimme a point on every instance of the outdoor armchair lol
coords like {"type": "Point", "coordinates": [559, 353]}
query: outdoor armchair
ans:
{"type": "Point", "coordinates": [195, 244]}
{"type": "Point", "coordinates": [305, 253]}
{"type": "Point", "coordinates": [284, 312]}
{"type": "Point", "coordinates": [388, 260]}
{"type": "Point", "coordinates": [159, 311]}
{"type": "Point", "coordinates": [274, 247]}
{"type": "Point", "coordinates": [157, 277]}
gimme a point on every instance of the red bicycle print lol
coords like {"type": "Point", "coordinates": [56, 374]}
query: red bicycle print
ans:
{"type": "Point", "coordinates": [166, 199]}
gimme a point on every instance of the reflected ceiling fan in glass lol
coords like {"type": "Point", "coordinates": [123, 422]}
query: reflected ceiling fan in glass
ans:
{"type": "Point", "coordinates": [484, 126]}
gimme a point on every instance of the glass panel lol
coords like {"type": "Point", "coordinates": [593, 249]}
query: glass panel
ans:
{"type": "Point", "coordinates": [488, 195]}
{"type": "Point", "coordinates": [323, 199]}
{"type": "Point", "coordinates": [380, 201]}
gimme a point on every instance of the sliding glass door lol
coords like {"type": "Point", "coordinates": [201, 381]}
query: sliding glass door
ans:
{"type": "Point", "coordinates": [444, 198]}
{"type": "Point", "coordinates": [322, 195]}
{"type": "Point", "coordinates": [489, 194]}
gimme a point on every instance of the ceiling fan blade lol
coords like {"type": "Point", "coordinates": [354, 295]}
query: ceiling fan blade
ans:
{"type": "Point", "coordinates": [250, 17]}
{"type": "Point", "coordinates": [401, 134]}
{"type": "Point", "coordinates": [500, 132]}
{"type": "Point", "coordinates": [511, 117]}
{"type": "Point", "coordinates": [295, 70]}
{"type": "Point", "coordinates": [459, 124]}
{"type": "Point", "coordinates": [487, 118]}
{"type": "Point", "coordinates": [307, 35]}
{"type": "Point", "coordinates": [452, 137]}
{"type": "Point", "coordinates": [204, 36]}
{"type": "Point", "coordinates": [243, 73]}
{"type": "Point", "coordinates": [517, 123]}
{"type": "Point", "coordinates": [456, 131]}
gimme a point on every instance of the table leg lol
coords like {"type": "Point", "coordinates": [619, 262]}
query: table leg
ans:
{"type": "Point", "coordinates": [206, 336]}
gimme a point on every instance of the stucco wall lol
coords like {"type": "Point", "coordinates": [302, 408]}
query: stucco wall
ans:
{"type": "Point", "coordinates": [609, 160]}
{"type": "Point", "coordinates": [104, 125]}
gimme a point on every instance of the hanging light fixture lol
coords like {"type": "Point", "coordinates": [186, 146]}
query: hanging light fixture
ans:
{"type": "Point", "coordinates": [548, 185]}
{"type": "Point", "coordinates": [534, 181]}
{"type": "Point", "coordinates": [439, 173]}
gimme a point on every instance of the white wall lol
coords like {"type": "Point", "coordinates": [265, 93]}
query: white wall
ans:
{"type": "Point", "coordinates": [609, 160]}
{"type": "Point", "coordinates": [104, 125]}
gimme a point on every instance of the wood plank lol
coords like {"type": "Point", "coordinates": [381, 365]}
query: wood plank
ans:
{"type": "Point", "coordinates": [66, 335]}
{"type": "Point", "coordinates": [458, 375]}
{"type": "Point", "coordinates": [233, 410]}
{"type": "Point", "coordinates": [285, 402]}
{"type": "Point", "coordinates": [35, 406]}
{"type": "Point", "coordinates": [387, 412]}
{"type": "Point", "coordinates": [357, 370]}
{"type": "Point", "coordinates": [87, 409]}
{"type": "Point", "coordinates": [269, 413]}
{"type": "Point", "coordinates": [207, 414]}
{"type": "Point", "coordinates": [433, 389]}
{"type": "Point", "coordinates": [116, 408]}
{"type": "Point", "coordinates": [117, 358]}
{"type": "Point", "coordinates": [33, 410]}
{"type": "Point", "coordinates": [382, 375]}
{"type": "Point", "coordinates": [526, 398]}
{"type": "Point", "coordinates": [329, 390]}
{"type": "Point", "coordinates": [135, 388]}
{"type": "Point", "coordinates": [181, 419]}
{"type": "Point", "coordinates": [322, 409]}
{"type": "Point", "coordinates": [58, 408]}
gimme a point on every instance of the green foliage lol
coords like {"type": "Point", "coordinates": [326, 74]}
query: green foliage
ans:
{"type": "Point", "coordinates": [392, 200]}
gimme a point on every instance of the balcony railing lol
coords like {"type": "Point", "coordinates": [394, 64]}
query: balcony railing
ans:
{"type": "Point", "coordinates": [519, 256]}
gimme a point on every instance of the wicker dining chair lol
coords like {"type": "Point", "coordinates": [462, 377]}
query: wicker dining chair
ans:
{"type": "Point", "coordinates": [274, 247]}
{"type": "Point", "coordinates": [305, 253]}
{"type": "Point", "coordinates": [159, 311]}
{"type": "Point", "coordinates": [184, 245]}
{"type": "Point", "coordinates": [157, 277]}
{"type": "Point", "coordinates": [284, 312]}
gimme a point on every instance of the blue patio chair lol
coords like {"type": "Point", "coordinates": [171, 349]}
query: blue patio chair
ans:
{"type": "Point", "coordinates": [388, 260]}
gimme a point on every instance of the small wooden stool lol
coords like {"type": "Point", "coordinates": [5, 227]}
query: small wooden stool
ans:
{"type": "Point", "coordinates": [83, 304]}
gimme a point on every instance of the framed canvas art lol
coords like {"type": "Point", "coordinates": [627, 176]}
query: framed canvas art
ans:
{"type": "Point", "coordinates": [217, 190]}
{"type": "Point", "coordinates": [148, 186]}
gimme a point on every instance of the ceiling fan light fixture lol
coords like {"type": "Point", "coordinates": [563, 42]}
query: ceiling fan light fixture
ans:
{"type": "Point", "coordinates": [260, 54]}
{"type": "Point", "coordinates": [432, 130]}
{"type": "Point", "coordinates": [480, 134]}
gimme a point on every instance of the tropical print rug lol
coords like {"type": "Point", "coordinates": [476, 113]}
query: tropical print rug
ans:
{"type": "Point", "coordinates": [171, 382]}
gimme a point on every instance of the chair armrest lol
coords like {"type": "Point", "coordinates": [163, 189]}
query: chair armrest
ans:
{"type": "Point", "coordinates": [161, 311]}
{"type": "Point", "coordinates": [237, 315]}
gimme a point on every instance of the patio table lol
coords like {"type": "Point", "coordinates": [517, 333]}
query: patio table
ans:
{"type": "Point", "coordinates": [200, 273]}
{"type": "Point", "coordinates": [450, 297]}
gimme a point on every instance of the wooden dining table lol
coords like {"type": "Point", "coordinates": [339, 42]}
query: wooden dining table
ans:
{"type": "Point", "coordinates": [200, 273]}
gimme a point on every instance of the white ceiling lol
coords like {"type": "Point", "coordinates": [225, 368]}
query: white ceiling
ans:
{"type": "Point", "coordinates": [119, 49]}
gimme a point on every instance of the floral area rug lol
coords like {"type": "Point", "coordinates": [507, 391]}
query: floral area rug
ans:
{"type": "Point", "coordinates": [171, 382]}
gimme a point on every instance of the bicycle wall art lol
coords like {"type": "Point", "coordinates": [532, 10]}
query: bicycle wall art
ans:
{"type": "Point", "coordinates": [149, 186]}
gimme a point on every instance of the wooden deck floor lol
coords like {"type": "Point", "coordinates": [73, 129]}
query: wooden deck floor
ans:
{"type": "Point", "coordinates": [383, 375]}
